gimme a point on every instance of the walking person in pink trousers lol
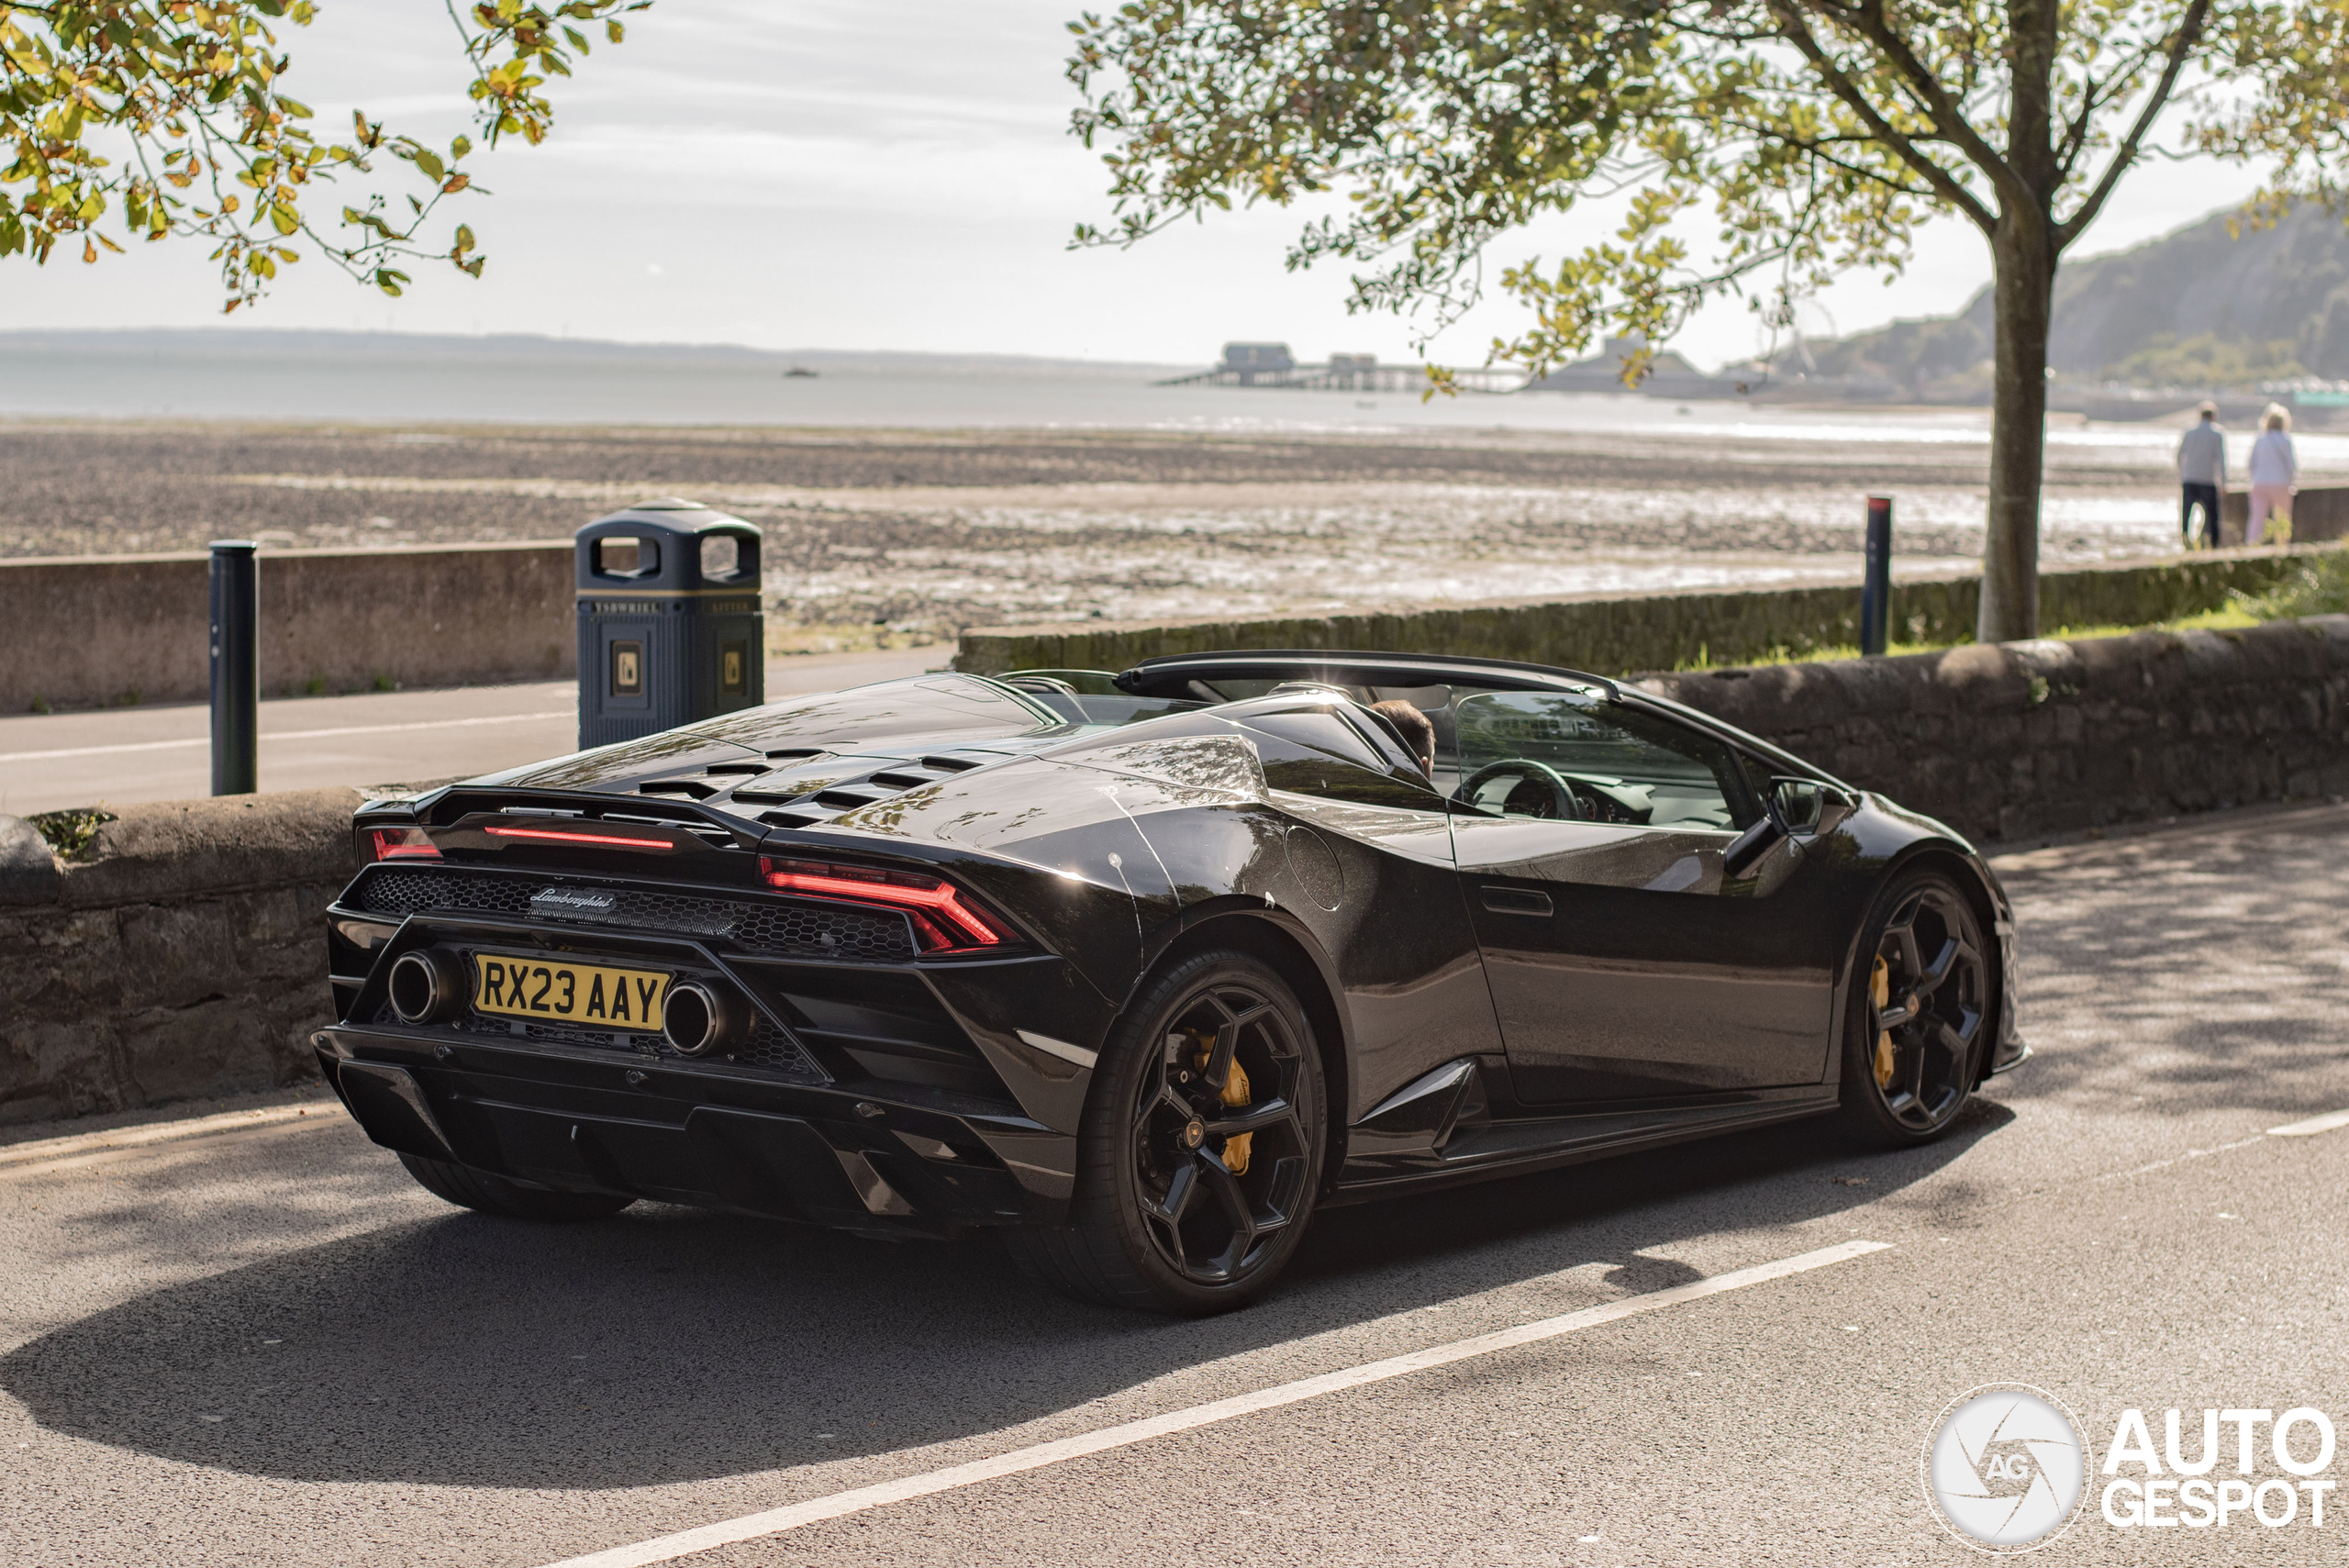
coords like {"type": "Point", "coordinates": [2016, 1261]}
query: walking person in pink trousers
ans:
{"type": "Point", "coordinates": [2274, 469]}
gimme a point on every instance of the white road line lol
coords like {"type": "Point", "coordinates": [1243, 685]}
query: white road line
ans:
{"type": "Point", "coordinates": [2179, 1160]}
{"type": "Point", "coordinates": [269, 736]}
{"type": "Point", "coordinates": [774, 1521]}
{"type": "Point", "coordinates": [104, 750]}
{"type": "Point", "coordinates": [323, 1111]}
{"type": "Point", "coordinates": [2311, 1126]}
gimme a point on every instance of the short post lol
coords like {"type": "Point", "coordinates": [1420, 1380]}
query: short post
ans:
{"type": "Point", "coordinates": [235, 667]}
{"type": "Point", "coordinates": [1875, 584]}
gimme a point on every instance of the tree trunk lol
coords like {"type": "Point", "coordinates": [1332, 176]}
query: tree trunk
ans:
{"type": "Point", "coordinates": [2022, 302]}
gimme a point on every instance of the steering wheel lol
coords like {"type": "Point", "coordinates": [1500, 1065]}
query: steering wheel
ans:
{"type": "Point", "coordinates": [1564, 803]}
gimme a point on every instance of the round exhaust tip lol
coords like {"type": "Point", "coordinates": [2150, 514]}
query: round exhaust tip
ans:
{"type": "Point", "coordinates": [696, 1020]}
{"type": "Point", "coordinates": [425, 986]}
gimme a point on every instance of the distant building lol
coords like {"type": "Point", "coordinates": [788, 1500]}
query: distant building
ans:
{"type": "Point", "coordinates": [1250, 360]}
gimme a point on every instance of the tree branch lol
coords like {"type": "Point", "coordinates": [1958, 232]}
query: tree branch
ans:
{"type": "Point", "coordinates": [1817, 147]}
{"type": "Point", "coordinates": [1902, 146]}
{"type": "Point", "coordinates": [2093, 97]}
{"type": "Point", "coordinates": [1950, 120]}
{"type": "Point", "coordinates": [2077, 131]}
{"type": "Point", "coordinates": [2189, 30]}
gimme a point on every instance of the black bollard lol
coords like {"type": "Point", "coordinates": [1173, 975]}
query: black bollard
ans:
{"type": "Point", "coordinates": [1876, 585]}
{"type": "Point", "coordinates": [235, 667]}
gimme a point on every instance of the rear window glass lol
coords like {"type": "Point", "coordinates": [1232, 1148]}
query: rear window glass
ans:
{"type": "Point", "coordinates": [1310, 749]}
{"type": "Point", "coordinates": [1082, 707]}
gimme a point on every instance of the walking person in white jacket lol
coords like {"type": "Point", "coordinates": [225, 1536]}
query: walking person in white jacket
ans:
{"type": "Point", "coordinates": [2274, 469]}
{"type": "Point", "coordinates": [2203, 473]}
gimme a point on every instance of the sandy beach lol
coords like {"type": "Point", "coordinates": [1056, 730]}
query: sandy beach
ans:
{"type": "Point", "coordinates": [882, 536]}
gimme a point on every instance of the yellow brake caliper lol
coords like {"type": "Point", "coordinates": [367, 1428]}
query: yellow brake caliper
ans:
{"type": "Point", "coordinates": [1235, 1093]}
{"type": "Point", "coordinates": [1880, 987]}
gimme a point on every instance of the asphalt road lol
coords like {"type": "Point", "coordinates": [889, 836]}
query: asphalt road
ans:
{"type": "Point", "coordinates": [262, 1345]}
{"type": "Point", "coordinates": [119, 756]}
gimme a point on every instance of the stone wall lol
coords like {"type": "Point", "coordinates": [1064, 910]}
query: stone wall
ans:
{"type": "Point", "coordinates": [182, 954]}
{"type": "Point", "coordinates": [2319, 513]}
{"type": "Point", "coordinates": [2014, 739]}
{"type": "Point", "coordinates": [89, 630]}
{"type": "Point", "coordinates": [1654, 631]}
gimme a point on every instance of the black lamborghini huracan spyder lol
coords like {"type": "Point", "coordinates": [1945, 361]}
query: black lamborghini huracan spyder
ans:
{"type": "Point", "coordinates": [1142, 968]}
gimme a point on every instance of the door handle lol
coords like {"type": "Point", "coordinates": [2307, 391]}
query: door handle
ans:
{"type": "Point", "coordinates": [1518, 901]}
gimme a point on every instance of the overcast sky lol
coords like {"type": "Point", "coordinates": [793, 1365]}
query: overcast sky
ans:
{"type": "Point", "coordinates": [835, 173]}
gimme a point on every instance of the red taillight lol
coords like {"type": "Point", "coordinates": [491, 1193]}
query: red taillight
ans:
{"type": "Point", "coordinates": [943, 915]}
{"type": "Point", "coordinates": [567, 836]}
{"type": "Point", "coordinates": [403, 844]}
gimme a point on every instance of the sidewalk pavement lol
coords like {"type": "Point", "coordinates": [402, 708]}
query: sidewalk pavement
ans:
{"type": "Point", "coordinates": [119, 756]}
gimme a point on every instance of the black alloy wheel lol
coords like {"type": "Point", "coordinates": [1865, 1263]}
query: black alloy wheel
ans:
{"type": "Point", "coordinates": [1920, 1006]}
{"type": "Point", "coordinates": [1202, 1148]}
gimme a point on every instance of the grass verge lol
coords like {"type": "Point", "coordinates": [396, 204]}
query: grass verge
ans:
{"type": "Point", "coordinates": [2320, 588]}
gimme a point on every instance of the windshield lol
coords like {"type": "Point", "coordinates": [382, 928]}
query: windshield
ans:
{"type": "Point", "coordinates": [1578, 755]}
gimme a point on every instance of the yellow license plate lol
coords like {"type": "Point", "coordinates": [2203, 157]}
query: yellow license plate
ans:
{"type": "Point", "coordinates": [574, 992]}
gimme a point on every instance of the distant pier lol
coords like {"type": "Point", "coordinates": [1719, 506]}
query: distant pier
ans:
{"type": "Point", "coordinates": [1272, 365]}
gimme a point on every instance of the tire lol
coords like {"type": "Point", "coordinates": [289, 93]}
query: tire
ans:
{"type": "Point", "coordinates": [469, 1188]}
{"type": "Point", "coordinates": [1910, 1065]}
{"type": "Point", "coordinates": [1155, 1223]}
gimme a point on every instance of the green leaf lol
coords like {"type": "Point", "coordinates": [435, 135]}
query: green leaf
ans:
{"type": "Point", "coordinates": [121, 104]}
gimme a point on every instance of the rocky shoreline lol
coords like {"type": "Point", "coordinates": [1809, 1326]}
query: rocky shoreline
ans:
{"type": "Point", "coordinates": [887, 535]}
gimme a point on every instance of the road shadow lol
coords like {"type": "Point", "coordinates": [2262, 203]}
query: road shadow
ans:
{"type": "Point", "coordinates": [670, 1345]}
{"type": "Point", "coordinates": [673, 1346]}
{"type": "Point", "coordinates": [2187, 969]}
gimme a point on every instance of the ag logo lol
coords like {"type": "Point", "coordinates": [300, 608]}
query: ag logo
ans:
{"type": "Point", "coordinates": [2005, 1467]}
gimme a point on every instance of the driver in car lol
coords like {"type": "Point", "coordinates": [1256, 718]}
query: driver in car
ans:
{"type": "Point", "coordinates": [1413, 726]}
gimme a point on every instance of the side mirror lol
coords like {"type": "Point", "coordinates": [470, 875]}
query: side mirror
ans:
{"type": "Point", "coordinates": [1806, 806]}
{"type": "Point", "coordinates": [1749, 846]}
{"type": "Point", "coordinates": [1800, 802]}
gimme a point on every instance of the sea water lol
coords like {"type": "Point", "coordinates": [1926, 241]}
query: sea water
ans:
{"type": "Point", "coordinates": [398, 378]}
{"type": "Point", "coordinates": [1159, 550]}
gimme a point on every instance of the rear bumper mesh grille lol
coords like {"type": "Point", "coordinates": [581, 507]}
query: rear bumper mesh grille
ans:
{"type": "Point", "coordinates": [768, 1048]}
